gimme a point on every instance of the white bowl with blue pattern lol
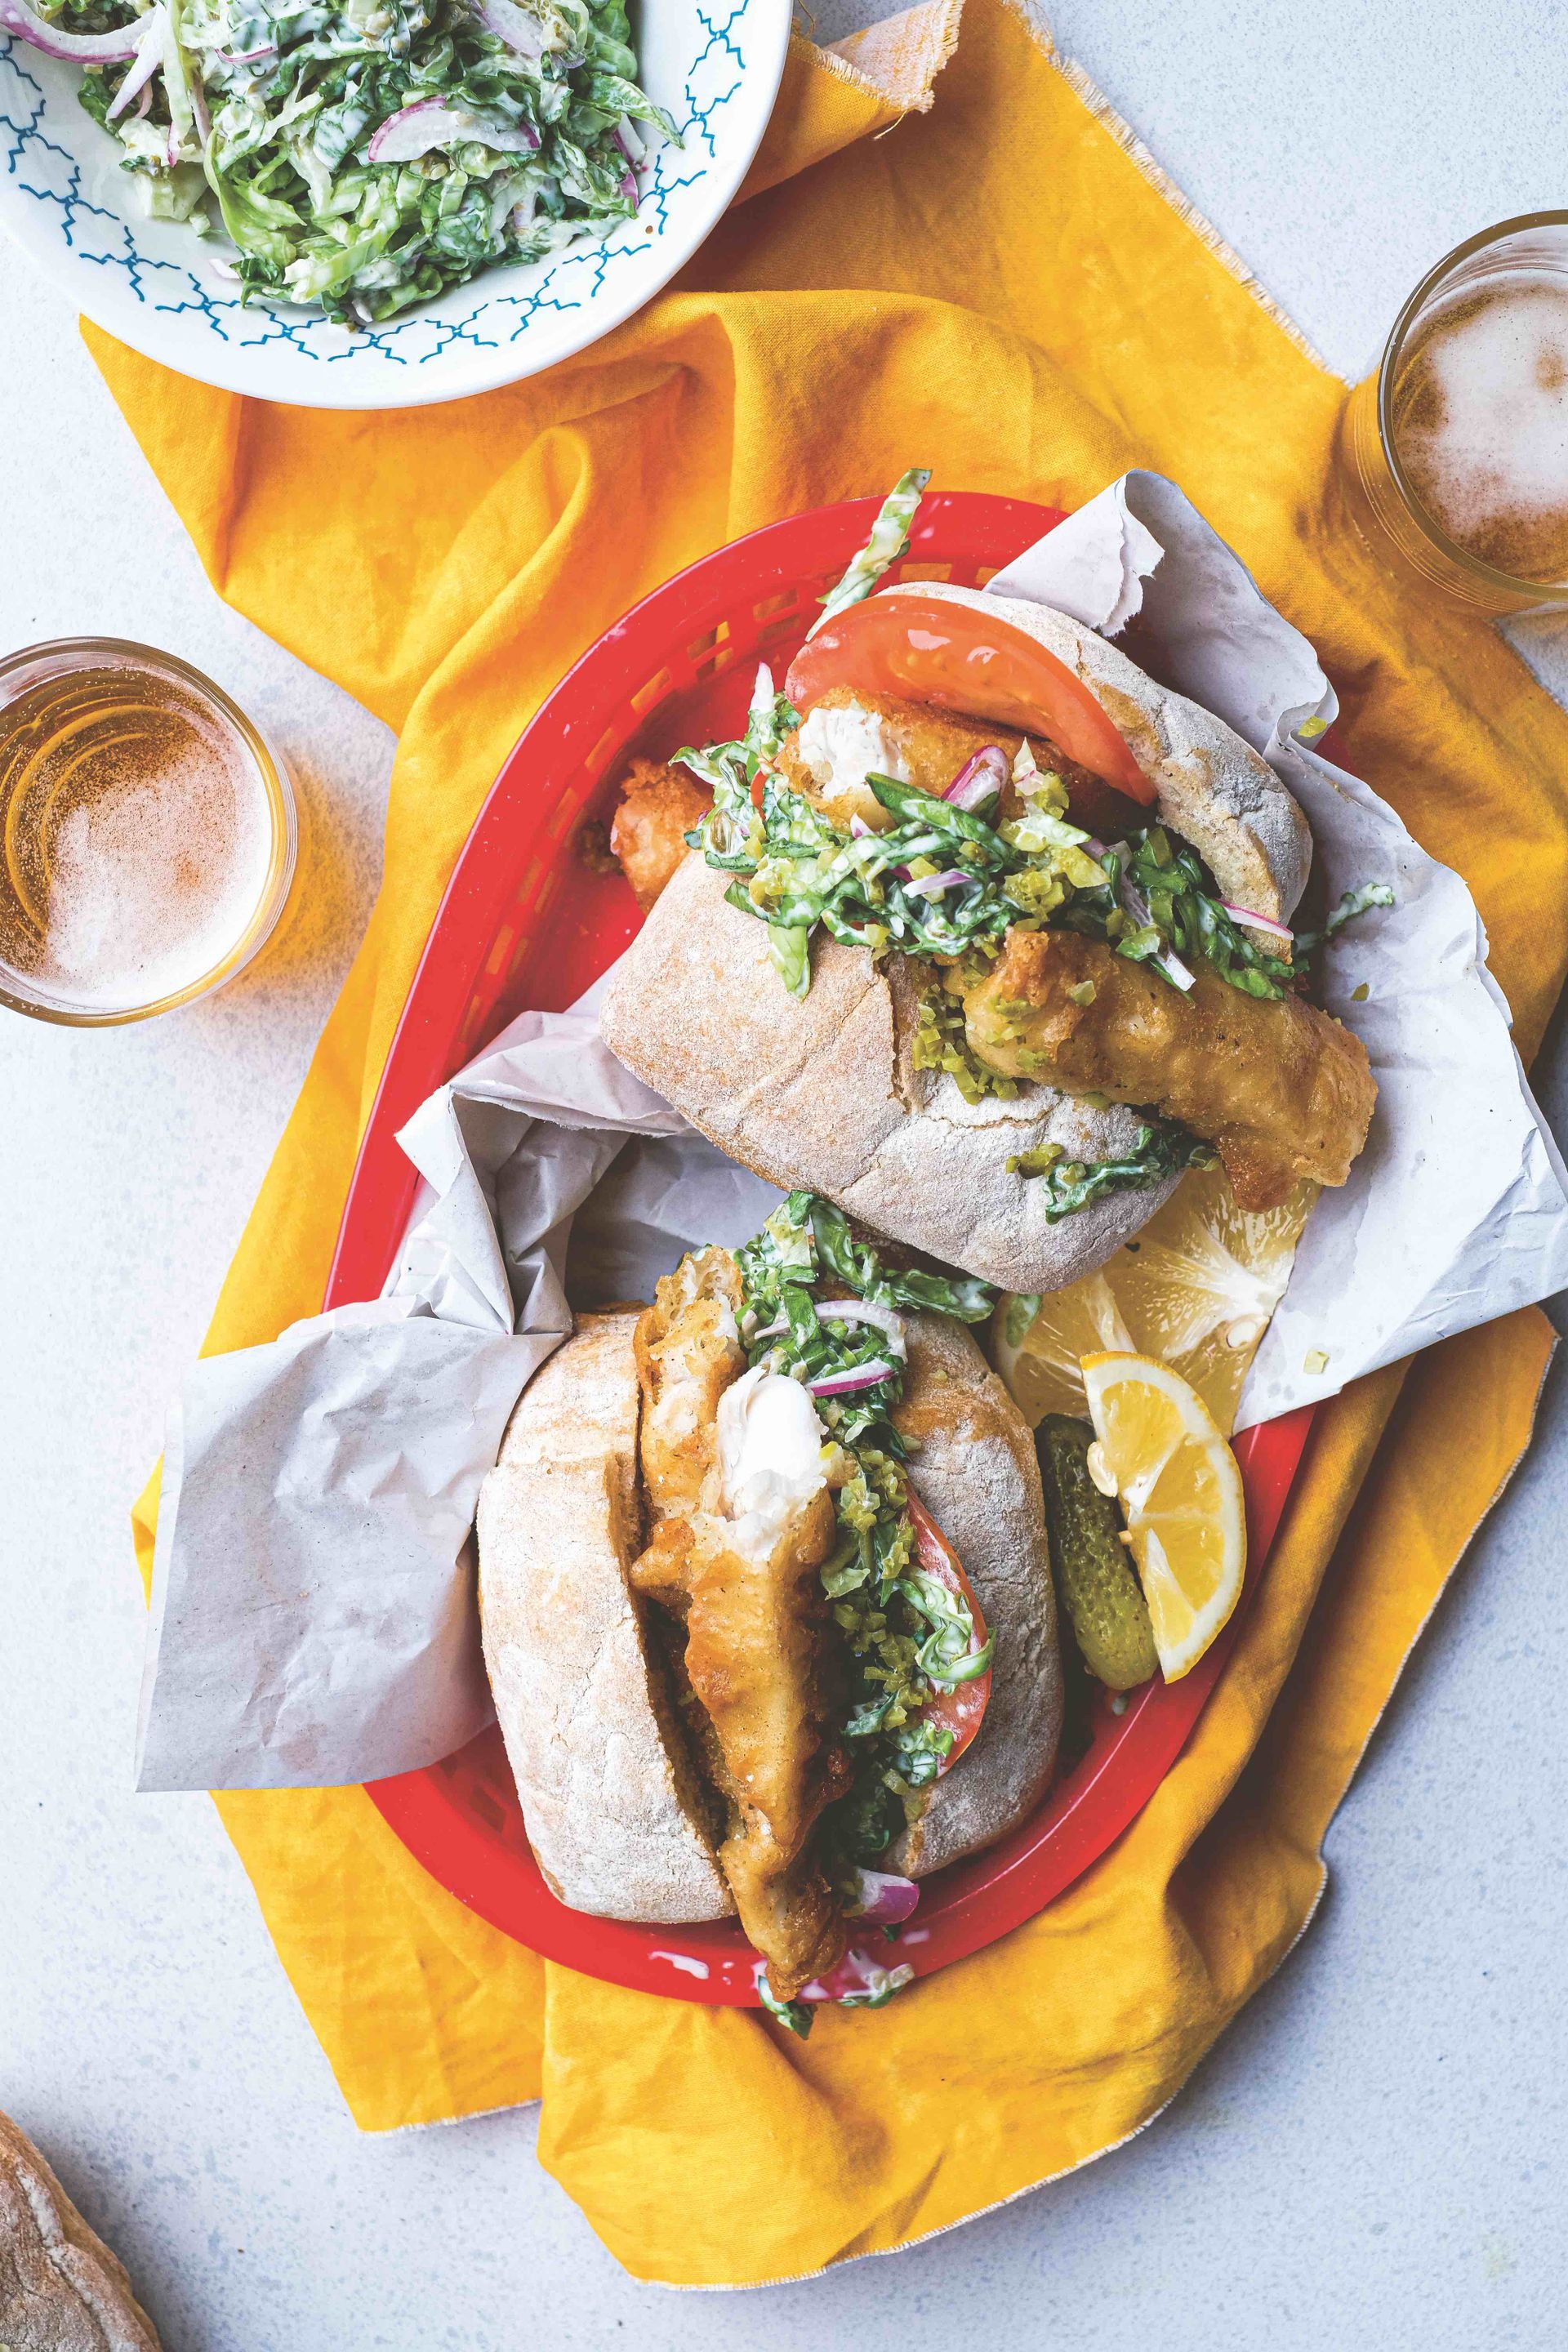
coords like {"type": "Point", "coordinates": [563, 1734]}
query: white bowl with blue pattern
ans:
{"type": "Point", "coordinates": [714, 65]}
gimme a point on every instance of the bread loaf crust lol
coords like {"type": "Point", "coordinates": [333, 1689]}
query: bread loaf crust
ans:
{"type": "Point", "coordinates": [823, 1092]}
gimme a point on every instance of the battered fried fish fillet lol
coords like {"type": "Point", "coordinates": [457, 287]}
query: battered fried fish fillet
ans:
{"type": "Point", "coordinates": [744, 1583]}
{"type": "Point", "coordinates": [659, 806]}
{"type": "Point", "coordinates": [1281, 1088]}
{"type": "Point", "coordinates": [688, 1350]}
{"type": "Point", "coordinates": [849, 735]}
{"type": "Point", "coordinates": [755, 1635]}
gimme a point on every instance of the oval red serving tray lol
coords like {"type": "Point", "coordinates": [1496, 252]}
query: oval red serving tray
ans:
{"type": "Point", "coordinates": [527, 921]}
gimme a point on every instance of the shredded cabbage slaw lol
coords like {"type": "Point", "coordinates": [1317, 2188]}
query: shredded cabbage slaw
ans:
{"type": "Point", "coordinates": [364, 156]}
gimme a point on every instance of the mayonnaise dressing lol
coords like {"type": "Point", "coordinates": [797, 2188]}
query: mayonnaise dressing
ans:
{"type": "Point", "coordinates": [769, 1458]}
{"type": "Point", "coordinates": [845, 744]}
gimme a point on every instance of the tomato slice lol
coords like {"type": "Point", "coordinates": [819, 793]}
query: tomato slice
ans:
{"type": "Point", "coordinates": [957, 657]}
{"type": "Point", "coordinates": [961, 1709]}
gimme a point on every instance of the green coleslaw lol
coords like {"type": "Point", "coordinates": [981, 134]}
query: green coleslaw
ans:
{"type": "Point", "coordinates": [362, 155]}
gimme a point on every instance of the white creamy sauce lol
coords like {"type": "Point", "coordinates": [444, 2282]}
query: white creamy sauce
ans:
{"type": "Point", "coordinates": [842, 747]}
{"type": "Point", "coordinates": [769, 1458]}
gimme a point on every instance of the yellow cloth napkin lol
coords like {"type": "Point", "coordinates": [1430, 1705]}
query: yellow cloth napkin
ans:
{"type": "Point", "coordinates": [1003, 287]}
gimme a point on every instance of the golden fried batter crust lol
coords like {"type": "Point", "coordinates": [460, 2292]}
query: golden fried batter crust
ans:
{"type": "Point", "coordinates": [1281, 1088]}
{"type": "Point", "coordinates": [688, 1352]}
{"type": "Point", "coordinates": [756, 1631]}
{"type": "Point", "coordinates": [659, 806]}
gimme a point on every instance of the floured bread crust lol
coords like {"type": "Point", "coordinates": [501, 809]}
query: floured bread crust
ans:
{"type": "Point", "coordinates": [61, 2290]}
{"type": "Point", "coordinates": [821, 1092]}
{"type": "Point", "coordinates": [615, 1813]}
{"type": "Point", "coordinates": [976, 1473]}
{"type": "Point", "coordinates": [1214, 789]}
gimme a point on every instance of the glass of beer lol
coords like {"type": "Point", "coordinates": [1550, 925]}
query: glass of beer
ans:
{"type": "Point", "coordinates": [150, 832]}
{"type": "Point", "coordinates": [1456, 449]}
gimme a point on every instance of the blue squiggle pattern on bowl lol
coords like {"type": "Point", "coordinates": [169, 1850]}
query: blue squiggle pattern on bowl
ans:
{"type": "Point", "coordinates": [49, 173]}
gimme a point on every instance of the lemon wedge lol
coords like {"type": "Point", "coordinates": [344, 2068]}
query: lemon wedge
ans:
{"type": "Point", "coordinates": [1180, 1491]}
{"type": "Point", "coordinates": [1196, 1288]}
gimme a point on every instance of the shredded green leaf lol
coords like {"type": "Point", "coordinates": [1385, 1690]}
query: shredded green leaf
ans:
{"type": "Point", "coordinates": [1160, 1148]}
{"type": "Point", "coordinates": [890, 539]}
{"type": "Point", "coordinates": [1352, 903]}
{"type": "Point", "coordinates": [531, 145]}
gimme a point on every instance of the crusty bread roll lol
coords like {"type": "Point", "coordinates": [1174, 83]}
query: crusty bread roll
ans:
{"type": "Point", "coordinates": [615, 1813]}
{"type": "Point", "coordinates": [976, 1471]}
{"type": "Point", "coordinates": [1213, 788]}
{"type": "Point", "coordinates": [823, 1092]}
{"type": "Point", "coordinates": [61, 2289]}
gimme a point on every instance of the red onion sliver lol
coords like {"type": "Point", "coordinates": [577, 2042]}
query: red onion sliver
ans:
{"type": "Point", "coordinates": [863, 1376]}
{"type": "Point", "coordinates": [980, 779]}
{"type": "Point", "coordinates": [1259, 923]}
{"type": "Point", "coordinates": [76, 48]}
{"type": "Point", "coordinates": [858, 828]}
{"type": "Point", "coordinates": [149, 57]}
{"type": "Point", "coordinates": [862, 1310]}
{"type": "Point", "coordinates": [249, 56]}
{"type": "Point", "coordinates": [430, 123]}
{"type": "Point", "coordinates": [934, 885]}
{"type": "Point", "coordinates": [518, 27]}
{"type": "Point", "coordinates": [885, 1899]}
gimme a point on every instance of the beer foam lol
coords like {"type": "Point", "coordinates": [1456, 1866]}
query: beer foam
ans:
{"type": "Point", "coordinates": [154, 878]}
{"type": "Point", "coordinates": [1481, 423]}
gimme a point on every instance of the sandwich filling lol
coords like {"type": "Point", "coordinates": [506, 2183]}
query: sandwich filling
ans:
{"type": "Point", "coordinates": [959, 850]}
{"type": "Point", "coordinates": [829, 1655]}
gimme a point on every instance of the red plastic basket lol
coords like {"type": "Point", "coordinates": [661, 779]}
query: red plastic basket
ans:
{"type": "Point", "coordinates": [525, 922]}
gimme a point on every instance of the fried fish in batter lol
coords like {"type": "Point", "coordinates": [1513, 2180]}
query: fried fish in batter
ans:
{"type": "Point", "coordinates": [1281, 1088]}
{"type": "Point", "coordinates": [748, 1594]}
{"type": "Point", "coordinates": [755, 1632]}
{"type": "Point", "coordinates": [659, 806]}
{"type": "Point", "coordinates": [687, 1349]}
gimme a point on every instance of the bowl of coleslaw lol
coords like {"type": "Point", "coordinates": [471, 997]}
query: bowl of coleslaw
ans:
{"type": "Point", "coordinates": [375, 204]}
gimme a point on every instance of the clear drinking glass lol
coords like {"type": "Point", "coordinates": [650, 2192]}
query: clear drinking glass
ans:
{"type": "Point", "coordinates": [1456, 451]}
{"type": "Point", "coordinates": [148, 832]}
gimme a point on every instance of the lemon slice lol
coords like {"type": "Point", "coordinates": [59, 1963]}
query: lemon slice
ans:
{"type": "Point", "coordinates": [1036, 1344]}
{"type": "Point", "coordinates": [1180, 1491]}
{"type": "Point", "coordinates": [1196, 1288]}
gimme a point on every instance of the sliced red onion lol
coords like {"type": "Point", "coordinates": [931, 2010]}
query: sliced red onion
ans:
{"type": "Point", "coordinates": [77, 49]}
{"type": "Point", "coordinates": [199, 110]}
{"type": "Point", "coordinates": [1259, 923]}
{"type": "Point", "coordinates": [249, 56]}
{"type": "Point", "coordinates": [1167, 961]}
{"type": "Point", "coordinates": [149, 57]}
{"type": "Point", "coordinates": [628, 177]}
{"type": "Point", "coordinates": [864, 1310]}
{"type": "Point", "coordinates": [430, 123]}
{"type": "Point", "coordinates": [864, 1376]}
{"type": "Point", "coordinates": [858, 828]}
{"type": "Point", "coordinates": [885, 1899]}
{"type": "Point", "coordinates": [144, 103]}
{"type": "Point", "coordinates": [980, 779]}
{"type": "Point", "coordinates": [518, 27]}
{"type": "Point", "coordinates": [933, 884]}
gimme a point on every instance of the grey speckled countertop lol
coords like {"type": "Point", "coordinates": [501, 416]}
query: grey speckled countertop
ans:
{"type": "Point", "coordinates": [1375, 2154]}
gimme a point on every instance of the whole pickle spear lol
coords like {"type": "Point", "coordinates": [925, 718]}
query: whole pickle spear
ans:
{"type": "Point", "coordinates": [1095, 1579]}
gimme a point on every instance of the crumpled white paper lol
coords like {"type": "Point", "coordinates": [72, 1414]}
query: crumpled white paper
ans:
{"type": "Point", "coordinates": [1456, 1211]}
{"type": "Point", "coordinates": [313, 1616]}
